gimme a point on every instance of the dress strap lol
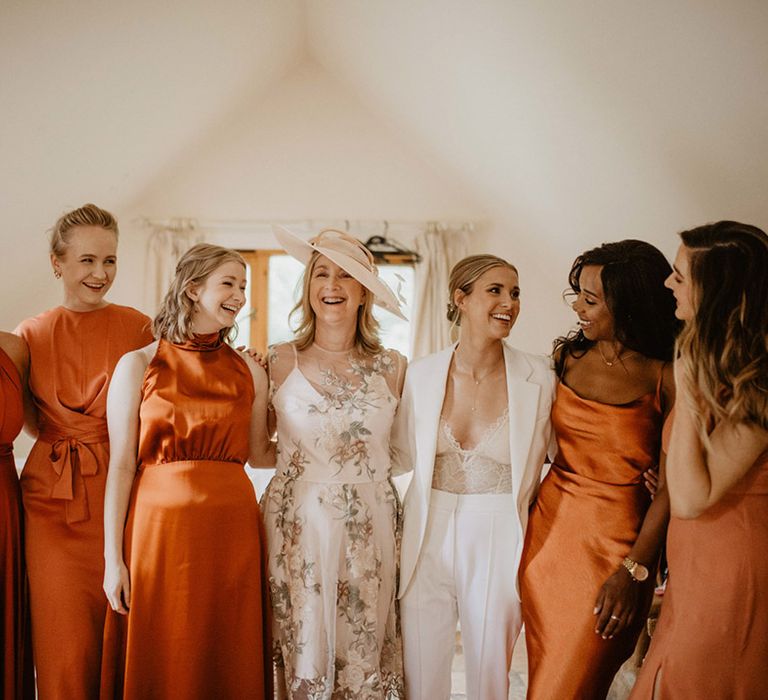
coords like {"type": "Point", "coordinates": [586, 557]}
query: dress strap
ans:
{"type": "Point", "coordinates": [660, 384]}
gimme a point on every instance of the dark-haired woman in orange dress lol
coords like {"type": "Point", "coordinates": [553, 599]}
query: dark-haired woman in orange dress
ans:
{"type": "Point", "coordinates": [16, 675]}
{"type": "Point", "coordinates": [593, 535]}
{"type": "Point", "coordinates": [185, 570]}
{"type": "Point", "coordinates": [73, 351]}
{"type": "Point", "coordinates": [711, 640]}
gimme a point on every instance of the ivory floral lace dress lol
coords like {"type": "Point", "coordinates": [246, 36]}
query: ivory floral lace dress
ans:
{"type": "Point", "coordinates": [332, 519]}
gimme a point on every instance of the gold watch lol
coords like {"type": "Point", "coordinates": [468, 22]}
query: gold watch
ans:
{"type": "Point", "coordinates": [636, 570]}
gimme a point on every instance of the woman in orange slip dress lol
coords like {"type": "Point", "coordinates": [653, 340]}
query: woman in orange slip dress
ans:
{"type": "Point", "coordinates": [16, 673]}
{"type": "Point", "coordinates": [593, 535]}
{"type": "Point", "coordinates": [73, 351]}
{"type": "Point", "coordinates": [186, 570]}
{"type": "Point", "coordinates": [711, 640]}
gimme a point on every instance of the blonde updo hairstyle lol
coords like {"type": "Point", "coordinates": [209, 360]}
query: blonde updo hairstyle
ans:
{"type": "Point", "coordinates": [87, 215]}
{"type": "Point", "coordinates": [174, 320]}
{"type": "Point", "coordinates": [367, 339]}
{"type": "Point", "coordinates": [463, 277]}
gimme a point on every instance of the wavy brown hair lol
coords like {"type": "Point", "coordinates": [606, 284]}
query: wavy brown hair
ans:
{"type": "Point", "coordinates": [174, 320]}
{"type": "Point", "coordinates": [724, 347]}
{"type": "Point", "coordinates": [367, 329]}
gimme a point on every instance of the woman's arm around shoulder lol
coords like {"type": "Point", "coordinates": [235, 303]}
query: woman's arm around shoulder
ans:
{"type": "Point", "coordinates": [261, 451]}
{"type": "Point", "coordinates": [17, 350]}
{"type": "Point", "coordinates": [123, 402]}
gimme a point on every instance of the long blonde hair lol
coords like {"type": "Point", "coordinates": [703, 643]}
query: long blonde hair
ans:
{"type": "Point", "coordinates": [367, 329]}
{"type": "Point", "coordinates": [724, 347]}
{"type": "Point", "coordinates": [174, 320]}
{"type": "Point", "coordinates": [87, 215]}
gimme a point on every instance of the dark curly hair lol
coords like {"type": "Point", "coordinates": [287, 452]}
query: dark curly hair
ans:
{"type": "Point", "coordinates": [643, 309]}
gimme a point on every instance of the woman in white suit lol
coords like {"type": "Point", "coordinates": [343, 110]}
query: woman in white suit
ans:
{"type": "Point", "coordinates": [474, 426]}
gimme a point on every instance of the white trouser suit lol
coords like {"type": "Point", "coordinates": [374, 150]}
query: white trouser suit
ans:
{"type": "Point", "coordinates": [461, 551]}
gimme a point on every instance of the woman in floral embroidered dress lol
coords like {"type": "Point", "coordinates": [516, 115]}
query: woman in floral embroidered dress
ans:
{"type": "Point", "coordinates": [331, 510]}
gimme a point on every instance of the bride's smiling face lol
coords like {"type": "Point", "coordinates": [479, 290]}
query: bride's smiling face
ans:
{"type": "Point", "coordinates": [493, 304]}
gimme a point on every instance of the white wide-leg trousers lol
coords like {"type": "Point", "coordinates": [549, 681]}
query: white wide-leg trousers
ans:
{"type": "Point", "coordinates": [466, 572]}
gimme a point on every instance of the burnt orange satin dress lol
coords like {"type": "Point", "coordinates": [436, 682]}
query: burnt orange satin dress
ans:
{"type": "Point", "coordinates": [73, 355]}
{"type": "Point", "coordinates": [585, 520]}
{"type": "Point", "coordinates": [194, 542]}
{"type": "Point", "coordinates": [16, 677]}
{"type": "Point", "coordinates": [711, 640]}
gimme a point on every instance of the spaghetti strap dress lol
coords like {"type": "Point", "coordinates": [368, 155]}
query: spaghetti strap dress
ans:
{"type": "Point", "coordinates": [16, 673]}
{"type": "Point", "coordinates": [711, 640]}
{"type": "Point", "coordinates": [72, 357]}
{"type": "Point", "coordinates": [585, 520]}
{"type": "Point", "coordinates": [193, 544]}
{"type": "Point", "coordinates": [332, 518]}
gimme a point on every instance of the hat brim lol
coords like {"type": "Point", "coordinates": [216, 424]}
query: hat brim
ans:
{"type": "Point", "coordinates": [302, 250]}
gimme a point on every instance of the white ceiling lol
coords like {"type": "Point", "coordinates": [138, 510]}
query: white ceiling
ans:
{"type": "Point", "coordinates": [535, 106]}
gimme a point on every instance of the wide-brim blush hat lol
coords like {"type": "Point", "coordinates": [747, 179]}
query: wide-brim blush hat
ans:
{"type": "Point", "coordinates": [349, 254]}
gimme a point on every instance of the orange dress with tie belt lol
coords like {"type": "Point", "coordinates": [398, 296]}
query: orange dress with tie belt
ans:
{"type": "Point", "coordinates": [194, 542]}
{"type": "Point", "coordinates": [586, 518]}
{"type": "Point", "coordinates": [72, 357]}
{"type": "Point", "coordinates": [16, 679]}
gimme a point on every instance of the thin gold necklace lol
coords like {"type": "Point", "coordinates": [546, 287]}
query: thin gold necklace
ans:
{"type": "Point", "coordinates": [477, 382]}
{"type": "Point", "coordinates": [618, 358]}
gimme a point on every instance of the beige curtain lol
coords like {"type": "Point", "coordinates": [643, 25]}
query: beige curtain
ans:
{"type": "Point", "coordinates": [440, 248]}
{"type": "Point", "coordinates": [165, 248]}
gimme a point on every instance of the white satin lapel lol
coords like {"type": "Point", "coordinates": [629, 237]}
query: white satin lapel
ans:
{"type": "Point", "coordinates": [429, 394]}
{"type": "Point", "coordinates": [523, 400]}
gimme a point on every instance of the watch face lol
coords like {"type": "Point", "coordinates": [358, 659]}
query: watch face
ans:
{"type": "Point", "coordinates": [639, 572]}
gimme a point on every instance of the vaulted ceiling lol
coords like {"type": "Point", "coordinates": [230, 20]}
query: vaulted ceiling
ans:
{"type": "Point", "coordinates": [557, 120]}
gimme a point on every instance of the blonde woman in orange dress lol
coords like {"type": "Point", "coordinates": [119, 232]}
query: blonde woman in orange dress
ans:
{"type": "Point", "coordinates": [16, 675]}
{"type": "Point", "coordinates": [73, 350]}
{"type": "Point", "coordinates": [711, 640]}
{"type": "Point", "coordinates": [185, 571]}
{"type": "Point", "coordinates": [593, 536]}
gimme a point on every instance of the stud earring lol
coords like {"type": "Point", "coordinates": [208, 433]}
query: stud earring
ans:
{"type": "Point", "coordinates": [57, 274]}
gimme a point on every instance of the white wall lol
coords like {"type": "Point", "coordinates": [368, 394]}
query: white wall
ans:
{"type": "Point", "coordinates": [558, 125]}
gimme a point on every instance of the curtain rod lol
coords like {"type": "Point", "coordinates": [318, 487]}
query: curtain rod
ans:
{"type": "Point", "coordinates": [191, 222]}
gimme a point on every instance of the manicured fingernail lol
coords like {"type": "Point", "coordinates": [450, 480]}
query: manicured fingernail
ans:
{"type": "Point", "coordinates": [595, 611]}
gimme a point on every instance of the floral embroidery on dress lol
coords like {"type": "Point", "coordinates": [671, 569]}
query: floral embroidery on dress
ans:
{"type": "Point", "coordinates": [333, 531]}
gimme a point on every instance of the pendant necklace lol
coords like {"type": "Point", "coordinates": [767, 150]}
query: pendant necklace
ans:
{"type": "Point", "coordinates": [618, 358]}
{"type": "Point", "coordinates": [477, 383]}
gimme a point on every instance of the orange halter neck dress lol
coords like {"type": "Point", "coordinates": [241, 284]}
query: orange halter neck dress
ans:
{"type": "Point", "coordinates": [194, 543]}
{"type": "Point", "coordinates": [72, 357]}
{"type": "Point", "coordinates": [585, 520]}
{"type": "Point", "coordinates": [16, 675]}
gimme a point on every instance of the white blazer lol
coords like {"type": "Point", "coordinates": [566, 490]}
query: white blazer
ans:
{"type": "Point", "coordinates": [530, 389]}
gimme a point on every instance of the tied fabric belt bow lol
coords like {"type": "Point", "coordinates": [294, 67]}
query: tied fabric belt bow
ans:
{"type": "Point", "coordinates": [72, 458]}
